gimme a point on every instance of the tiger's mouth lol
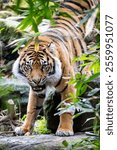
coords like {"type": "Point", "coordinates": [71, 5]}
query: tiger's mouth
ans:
{"type": "Point", "coordinates": [39, 88]}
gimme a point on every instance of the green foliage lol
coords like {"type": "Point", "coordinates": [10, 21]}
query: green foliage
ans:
{"type": "Point", "coordinates": [5, 91]}
{"type": "Point", "coordinates": [89, 143]}
{"type": "Point", "coordinates": [5, 94]}
{"type": "Point", "coordinates": [34, 11]}
{"type": "Point", "coordinates": [86, 106]}
{"type": "Point", "coordinates": [41, 126]}
{"type": "Point", "coordinates": [8, 34]}
{"type": "Point", "coordinates": [81, 81]}
{"type": "Point", "coordinates": [23, 118]}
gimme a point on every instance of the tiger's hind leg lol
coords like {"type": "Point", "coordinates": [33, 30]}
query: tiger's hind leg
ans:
{"type": "Point", "coordinates": [32, 111]}
{"type": "Point", "coordinates": [65, 127]}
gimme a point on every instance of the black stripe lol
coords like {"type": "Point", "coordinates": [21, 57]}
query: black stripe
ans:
{"type": "Point", "coordinates": [66, 25]}
{"type": "Point", "coordinates": [66, 41]}
{"type": "Point", "coordinates": [41, 41]}
{"type": "Point", "coordinates": [57, 42]}
{"type": "Point", "coordinates": [76, 54]}
{"type": "Point", "coordinates": [55, 37]}
{"type": "Point", "coordinates": [59, 32]}
{"type": "Point", "coordinates": [56, 33]}
{"type": "Point", "coordinates": [88, 3]}
{"type": "Point", "coordinates": [48, 60]}
{"type": "Point", "coordinates": [70, 8]}
{"type": "Point", "coordinates": [71, 39]}
{"type": "Point", "coordinates": [20, 72]}
{"type": "Point", "coordinates": [51, 73]}
{"type": "Point", "coordinates": [31, 57]}
{"type": "Point", "coordinates": [64, 19]}
{"type": "Point", "coordinates": [79, 40]}
{"type": "Point", "coordinates": [75, 35]}
{"type": "Point", "coordinates": [78, 4]}
{"type": "Point", "coordinates": [60, 78]}
{"type": "Point", "coordinates": [30, 53]}
{"type": "Point", "coordinates": [59, 82]}
{"type": "Point", "coordinates": [91, 3]}
{"type": "Point", "coordinates": [72, 43]}
{"type": "Point", "coordinates": [64, 89]}
{"type": "Point", "coordinates": [74, 20]}
{"type": "Point", "coordinates": [39, 107]}
{"type": "Point", "coordinates": [40, 53]}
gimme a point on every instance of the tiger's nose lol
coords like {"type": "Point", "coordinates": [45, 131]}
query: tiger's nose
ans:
{"type": "Point", "coordinates": [36, 80]}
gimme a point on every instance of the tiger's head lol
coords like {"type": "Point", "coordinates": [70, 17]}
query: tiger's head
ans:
{"type": "Point", "coordinates": [39, 68]}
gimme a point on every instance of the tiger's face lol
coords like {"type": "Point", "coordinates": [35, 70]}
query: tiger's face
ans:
{"type": "Point", "coordinates": [38, 68]}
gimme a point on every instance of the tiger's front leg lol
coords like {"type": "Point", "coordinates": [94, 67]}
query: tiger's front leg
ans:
{"type": "Point", "coordinates": [65, 127]}
{"type": "Point", "coordinates": [32, 112]}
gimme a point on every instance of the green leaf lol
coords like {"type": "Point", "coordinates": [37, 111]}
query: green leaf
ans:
{"type": "Point", "coordinates": [77, 115]}
{"type": "Point", "coordinates": [34, 11]}
{"type": "Point", "coordinates": [78, 88]}
{"type": "Point", "coordinates": [74, 60]}
{"type": "Point", "coordinates": [92, 77]}
{"type": "Point", "coordinates": [89, 119]}
{"type": "Point", "coordinates": [24, 24]}
{"type": "Point", "coordinates": [95, 66]}
{"type": "Point", "coordinates": [83, 89]}
{"type": "Point", "coordinates": [31, 4]}
{"type": "Point", "coordinates": [5, 91]}
{"type": "Point", "coordinates": [34, 25]}
{"type": "Point", "coordinates": [20, 43]}
{"type": "Point", "coordinates": [65, 143]}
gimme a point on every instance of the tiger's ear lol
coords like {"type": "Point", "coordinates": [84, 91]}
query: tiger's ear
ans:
{"type": "Point", "coordinates": [52, 47]}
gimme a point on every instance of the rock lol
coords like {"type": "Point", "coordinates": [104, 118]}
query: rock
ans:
{"type": "Point", "coordinates": [14, 89]}
{"type": "Point", "coordinates": [37, 142]}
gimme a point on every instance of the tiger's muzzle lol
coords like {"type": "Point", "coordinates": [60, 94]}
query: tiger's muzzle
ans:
{"type": "Point", "coordinates": [39, 88]}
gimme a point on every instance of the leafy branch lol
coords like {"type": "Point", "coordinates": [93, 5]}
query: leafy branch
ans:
{"type": "Point", "coordinates": [34, 11]}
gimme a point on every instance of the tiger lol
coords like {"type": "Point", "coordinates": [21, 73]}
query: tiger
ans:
{"type": "Point", "coordinates": [46, 64]}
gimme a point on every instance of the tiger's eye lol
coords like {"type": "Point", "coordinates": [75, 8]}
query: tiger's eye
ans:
{"type": "Point", "coordinates": [27, 63]}
{"type": "Point", "coordinates": [45, 63]}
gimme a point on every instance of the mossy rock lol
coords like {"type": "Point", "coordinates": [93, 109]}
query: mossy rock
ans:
{"type": "Point", "coordinates": [11, 88]}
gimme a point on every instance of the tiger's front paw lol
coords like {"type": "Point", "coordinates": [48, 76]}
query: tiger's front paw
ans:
{"type": "Point", "coordinates": [64, 132]}
{"type": "Point", "coordinates": [22, 131]}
